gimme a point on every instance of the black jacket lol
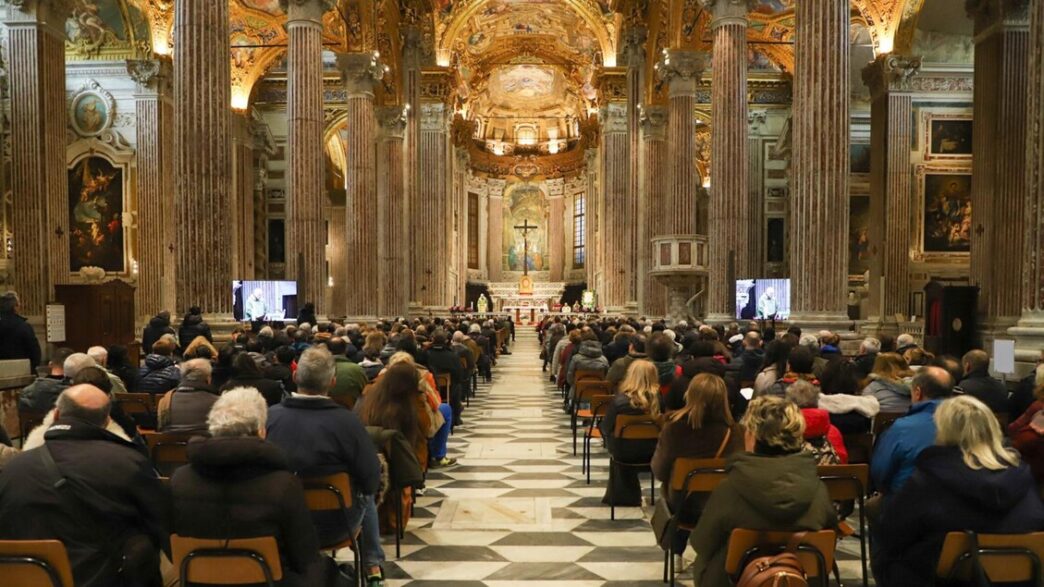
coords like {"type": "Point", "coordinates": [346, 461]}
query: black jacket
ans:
{"type": "Point", "coordinates": [747, 364]}
{"type": "Point", "coordinates": [18, 341]}
{"type": "Point", "coordinates": [40, 395]}
{"type": "Point", "coordinates": [191, 327]}
{"type": "Point", "coordinates": [270, 389]}
{"type": "Point", "coordinates": [157, 327]}
{"type": "Point", "coordinates": [615, 350]}
{"type": "Point", "coordinates": [111, 494]}
{"type": "Point", "coordinates": [444, 360]}
{"type": "Point", "coordinates": [240, 488]}
{"type": "Point", "coordinates": [945, 495]}
{"type": "Point", "coordinates": [988, 390]}
{"type": "Point", "coordinates": [159, 375]}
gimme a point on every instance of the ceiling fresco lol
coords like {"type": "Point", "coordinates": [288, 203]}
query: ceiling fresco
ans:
{"type": "Point", "coordinates": [500, 19]}
{"type": "Point", "coordinates": [107, 29]}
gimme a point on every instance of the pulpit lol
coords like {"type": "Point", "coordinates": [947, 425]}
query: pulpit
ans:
{"type": "Point", "coordinates": [679, 261]}
{"type": "Point", "coordinates": [101, 314]}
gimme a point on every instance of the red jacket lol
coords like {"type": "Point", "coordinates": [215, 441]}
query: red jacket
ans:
{"type": "Point", "coordinates": [817, 424]}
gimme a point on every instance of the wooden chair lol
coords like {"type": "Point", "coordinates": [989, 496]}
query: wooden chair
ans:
{"type": "Point", "coordinates": [443, 381]}
{"type": "Point", "coordinates": [689, 477]}
{"type": "Point", "coordinates": [168, 450]}
{"type": "Point", "coordinates": [334, 493]}
{"type": "Point", "coordinates": [850, 482]}
{"type": "Point", "coordinates": [585, 391]}
{"type": "Point", "coordinates": [816, 551]}
{"type": "Point", "coordinates": [34, 563]}
{"type": "Point", "coordinates": [599, 405]}
{"type": "Point", "coordinates": [27, 420]}
{"type": "Point", "coordinates": [883, 421]}
{"type": "Point", "coordinates": [630, 429]}
{"type": "Point", "coordinates": [582, 374]}
{"type": "Point", "coordinates": [860, 448]}
{"type": "Point", "coordinates": [1004, 558]}
{"type": "Point", "coordinates": [217, 561]}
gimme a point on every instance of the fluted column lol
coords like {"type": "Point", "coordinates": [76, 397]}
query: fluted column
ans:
{"type": "Point", "coordinates": [412, 41]}
{"type": "Point", "coordinates": [431, 211]}
{"type": "Point", "coordinates": [891, 184]}
{"type": "Point", "coordinates": [729, 222]}
{"type": "Point", "coordinates": [1029, 332]}
{"type": "Point", "coordinates": [153, 126]}
{"type": "Point", "coordinates": [39, 186]}
{"type": "Point", "coordinates": [461, 164]}
{"type": "Point", "coordinates": [337, 260]}
{"type": "Point", "coordinates": [242, 195]}
{"type": "Point", "coordinates": [591, 215]}
{"type": "Point", "coordinates": [819, 204]}
{"type": "Point", "coordinates": [556, 236]}
{"type": "Point", "coordinates": [393, 289]}
{"type": "Point", "coordinates": [495, 233]}
{"type": "Point", "coordinates": [360, 73]}
{"type": "Point", "coordinates": [305, 223]}
{"type": "Point", "coordinates": [654, 189]}
{"type": "Point", "coordinates": [616, 221]}
{"type": "Point", "coordinates": [634, 53]}
{"type": "Point", "coordinates": [1002, 46]}
{"type": "Point", "coordinates": [203, 169]}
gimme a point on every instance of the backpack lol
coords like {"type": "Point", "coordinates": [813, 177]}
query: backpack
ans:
{"type": "Point", "coordinates": [781, 570]}
{"type": "Point", "coordinates": [822, 451]}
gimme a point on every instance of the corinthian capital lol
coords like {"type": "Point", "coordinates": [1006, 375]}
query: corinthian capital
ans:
{"type": "Point", "coordinates": [654, 122]}
{"type": "Point", "coordinates": [49, 12]}
{"type": "Point", "coordinates": [391, 121]}
{"type": "Point", "coordinates": [306, 10]}
{"type": "Point", "coordinates": [681, 68]}
{"type": "Point", "coordinates": [890, 73]}
{"type": "Point", "coordinates": [728, 11]}
{"type": "Point", "coordinates": [360, 72]}
{"type": "Point", "coordinates": [634, 47]}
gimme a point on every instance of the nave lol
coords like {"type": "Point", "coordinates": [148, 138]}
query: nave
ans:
{"type": "Point", "coordinates": [516, 511]}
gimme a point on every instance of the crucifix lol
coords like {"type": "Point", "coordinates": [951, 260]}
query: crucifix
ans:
{"type": "Point", "coordinates": [525, 228]}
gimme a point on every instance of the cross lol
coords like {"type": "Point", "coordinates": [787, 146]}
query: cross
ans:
{"type": "Point", "coordinates": [525, 228]}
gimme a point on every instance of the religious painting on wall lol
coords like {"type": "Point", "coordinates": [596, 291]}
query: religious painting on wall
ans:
{"type": "Point", "coordinates": [96, 215]}
{"type": "Point", "coordinates": [947, 206]}
{"type": "Point", "coordinates": [859, 235]}
{"type": "Point", "coordinates": [525, 205]}
{"type": "Point", "coordinates": [949, 137]}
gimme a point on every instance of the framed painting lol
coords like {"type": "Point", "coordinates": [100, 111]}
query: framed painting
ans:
{"type": "Point", "coordinates": [946, 211]}
{"type": "Point", "coordinates": [96, 231]}
{"type": "Point", "coordinates": [91, 110]}
{"type": "Point", "coordinates": [948, 137]}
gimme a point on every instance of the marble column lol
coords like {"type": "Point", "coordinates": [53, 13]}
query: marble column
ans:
{"type": "Point", "coordinates": [39, 185]}
{"type": "Point", "coordinates": [243, 177]}
{"type": "Point", "coordinates": [305, 198]}
{"type": "Point", "coordinates": [461, 164]}
{"type": "Point", "coordinates": [616, 221]}
{"type": "Point", "coordinates": [819, 203]}
{"type": "Point", "coordinates": [154, 120]}
{"type": "Point", "coordinates": [412, 47]}
{"type": "Point", "coordinates": [654, 189]}
{"type": "Point", "coordinates": [337, 260]}
{"type": "Point", "coordinates": [1029, 332]}
{"type": "Point", "coordinates": [431, 228]}
{"type": "Point", "coordinates": [892, 132]}
{"type": "Point", "coordinates": [1002, 47]}
{"type": "Point", "coordinates": [360, 73]}
{"type": "Point", "coordinates": [203, 167]}
{"type": "Point", "coordinates": [591, 198]}
{"type": "Point", "coordinates": [556, 236]}
{"type": "Point", "coordinates": [729, 211]}
{"type": "Point", "coordinates": [634, 54]}
{"type": "Point", "coordinates": [393, 287]}
{"type": "Point", "coordinates": [495, 232]}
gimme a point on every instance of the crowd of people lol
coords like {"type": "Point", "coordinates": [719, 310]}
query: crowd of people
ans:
{"type": "Point", "coordinates": [776, 405]}
{"type": "Point", "coordinates": [264, 411]}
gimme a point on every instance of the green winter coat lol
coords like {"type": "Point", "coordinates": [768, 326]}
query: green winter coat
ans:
{"type": "Point", "coordinates": [760, 493]}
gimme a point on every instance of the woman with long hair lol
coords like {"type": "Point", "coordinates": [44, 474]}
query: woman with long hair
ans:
{"type": "Point", "coordinates": [890, 382]}
{"type": "Point", "coordinates": [392, 403]}
{"type": "Point", "coordinates": [440, 416]}
{"type": "Point", "coordinates": [842, 396]}
{"type": "Point", "coordinates": [638, 395]}
{"type": "Point", "coordinates": [775, 365]}
{"type": "Point", "coordinates": [968, 481]}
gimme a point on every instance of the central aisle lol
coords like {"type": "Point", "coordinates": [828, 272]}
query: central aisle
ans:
{"type": "Point", "coordinates": [516, 510]}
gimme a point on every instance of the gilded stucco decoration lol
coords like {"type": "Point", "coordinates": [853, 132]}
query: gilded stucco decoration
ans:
{"type": "Point", "coordinates": [107, 30]}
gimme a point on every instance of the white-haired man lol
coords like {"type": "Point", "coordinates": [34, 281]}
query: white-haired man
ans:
{"type": "Point", "coordinates": [185, 408]}
{"type": "Point", "coordinates": [41, 394]}
{"type": "Point", "coordinates": [100, 355]}
{"type": "Point", "coordinates": [868, 351]}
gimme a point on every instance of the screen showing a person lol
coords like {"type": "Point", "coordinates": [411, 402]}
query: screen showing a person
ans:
{"type": "Point", "coordinates": [264, 301]}
{"type": "Point", "coordinates": [763, 299]}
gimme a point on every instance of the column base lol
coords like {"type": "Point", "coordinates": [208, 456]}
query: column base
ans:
{"type": "Point", "coordinates": [876, 326]}
{"type": "Point", "coordinates": [1029, 339]}
{"type": "Point", "coordinates": [720, 318]}
{"type": "Point", "coordinates": [839, 323]}
{"type": "Point", "coordinates": [995, 328]}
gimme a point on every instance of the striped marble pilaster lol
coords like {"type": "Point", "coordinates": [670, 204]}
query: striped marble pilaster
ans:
{"type": "Point", "coordinates": [412, 45]}
{"type": "Point", "coordinates": [495, 234]}
{"type": "Point", "coordinates": [635, 56]}
{"type": "Point", "coordinates": [556, 236]}
{"type": "Point", "coordinates": [999, 190]}
{"type": "Point", "coordinates": [337, 258]}
{"type": "Point", "coordinates": [729, 213]}
{"type": "Point", "coordinates": [393, 288]}
{"type": "Point", "coordinates": [431, 221]}
{"type": "Point", "coordinates": [614, 253]}
{"type": "Point", "coordinates": [591, 199]}
{"type": "Point", "coordinates": [819, 204]}
{"type": "Point", "coordinates": [305, 197]}
{"type": "Point", "coordinates": [361, 72]}
{"type": "Point", "coordinates": [203, 166]}
{"type": "Point", "coordinates": [461, 163]}
{"type": "Point", "coordinates": [39, 185]}
{"type": "Point", "coordinates": [654, 189]}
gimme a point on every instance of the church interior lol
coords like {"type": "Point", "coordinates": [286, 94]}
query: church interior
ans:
{"type": "Point", "coordinates": [869, 170]}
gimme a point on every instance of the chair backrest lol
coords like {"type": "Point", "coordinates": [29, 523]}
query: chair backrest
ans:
{"type": "Point", "coordinates": [582, 374]}
{"type": "Point", "coordinates": [136, 403]}
{"type": "Point", "coordinates": [588, 388]}
{"type": "Point", "coordinates": [331, 492]}
{"type": "Point", "coordinates": [168, 450]}
{"type": "Point", "coordinates": [860, 447]}
{"type": "Point", "coordinates": [600, 405]}
{"type": "Point", "coordinates": [34, 563]}
{"type": "Point", "coordinates": [241, 561]}
{"type": "Point", "coordinates": [1006, 558]}
{"type": "Point", "coordinates": [746, 544]}
{"type": "Point", "coordinates": [636, 427]}
{"type": "Point", "coordinates": [845, 481]}
{"type": "Point", "coordinates": [884, 420]}
{"type": "Point", "coordinates": [697, 475]}
{"type": "Point", "coordinates": [442, 383]}
{"type": "Point", "coordinates": [29, 419]}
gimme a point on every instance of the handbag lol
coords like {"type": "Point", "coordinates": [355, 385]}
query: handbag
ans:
{"type": "Point", "coordinates": [781, 570]}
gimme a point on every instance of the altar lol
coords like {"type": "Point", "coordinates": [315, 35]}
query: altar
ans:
{"type": "Point", "coordinates": [508, 299]}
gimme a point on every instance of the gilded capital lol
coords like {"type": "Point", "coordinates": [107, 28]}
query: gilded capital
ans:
{"type": "Point", "coordinates": [360, 72]}
{"type": "Point", "coordinates": [890, 73]}
{"type": "Point", "coordinates": [654, 122]}
{"type": "Point", "coordinates": [681, 69]}
{"type": "Point", "coordinates": [153, 74]}
{"type": "Point", "coordinates": [725, 12]}
{"type": "Point", "coordinates": [391, 121]}
{"type": "Point", "coordinates": [306, 10]}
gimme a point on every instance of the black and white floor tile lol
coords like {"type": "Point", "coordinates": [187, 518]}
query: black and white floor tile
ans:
{"type": "Point", "coordinates": [517, 511]}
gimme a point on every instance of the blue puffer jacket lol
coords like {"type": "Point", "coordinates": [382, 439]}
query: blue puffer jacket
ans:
{"type": "Point", "coordinates": [159, 375]}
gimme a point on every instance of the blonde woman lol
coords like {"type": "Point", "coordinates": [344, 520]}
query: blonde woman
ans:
{"type": "Point", "coordinates": [639, 394]}
{"type": "Point", "coordinates": [968, 481]}
{"type": "Point", "coordinates": [772, 486]}
{"type": "Point", "coordinates": [890, 382]}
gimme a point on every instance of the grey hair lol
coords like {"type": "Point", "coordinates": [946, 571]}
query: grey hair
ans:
{"type": "Point", "coordinates": [804, 394]}
{"type": "Point", "coordinates": [904, 340]}
{"type": "Point", "coordinates": [75, 363]}
{"type": "Point", "coordinates": [474, 328]}
{"type": "Point", "coordinates": [99, 353]}
{"type": "Point", "coordinates": [871, 345]}
{"type": "Point", "coordinates": [240, 411]}
{"type": "Point", "coordinates": [266, 332]}
{"type": "Point", "coordinates": [315, 371]}
{"type": "Point", "coordinates": [196, 371]}
{"type": "Point", "coordinates": [809, 340]}
{"type": "Point", "coordinates": [458, 336]}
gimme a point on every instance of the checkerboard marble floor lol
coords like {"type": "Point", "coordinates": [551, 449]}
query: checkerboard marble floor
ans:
{"type": "Point", "coordinates": [517, 511]}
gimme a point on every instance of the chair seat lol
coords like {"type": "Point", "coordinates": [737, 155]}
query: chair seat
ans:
{"type": "Point", "coordinates": [584, 414]}
{"type": "Point", "coordinates": [844, 530]}
{"type": "Point", "coordinates": [596, 433]}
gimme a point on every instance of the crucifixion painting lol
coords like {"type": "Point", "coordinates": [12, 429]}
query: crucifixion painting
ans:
{"type": "Point", "coordinates": [525, 227]}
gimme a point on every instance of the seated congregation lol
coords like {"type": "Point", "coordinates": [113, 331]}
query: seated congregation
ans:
{"type": "Point", "coordinates": [750, 430]}
{"type": "Point", "coordinates": [317, 436]}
